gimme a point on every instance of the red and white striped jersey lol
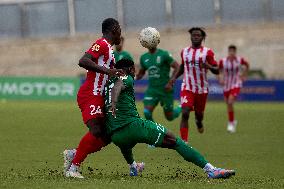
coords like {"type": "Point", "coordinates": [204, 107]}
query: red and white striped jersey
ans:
{"type": "Point", "coordinates": [195, 74]}
{"type": "Point", "coordinates": [232, 72]}
{"type": "Point", "coordinates": [102, 54]}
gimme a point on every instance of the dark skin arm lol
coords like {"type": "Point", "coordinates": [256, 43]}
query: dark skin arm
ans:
{"type": "Point", "coordinates": [221, 77]}
{"type": "Point", "coordinates": [177, 74]}
{"type": "Point", "coordinates": [213, 68]}
{"type": "Point", "coordinates": [211, 63]}
{"type": "Point", "coordinates": [140, 74]}
{"type": "Point", "coordinates": [115, 92]}
{"type": "Point", "coordinates": [244, 72]}
{"type": "Point", "coordinates": [171, 82]}
{"type": "Point", "coordinates": [87, 63]}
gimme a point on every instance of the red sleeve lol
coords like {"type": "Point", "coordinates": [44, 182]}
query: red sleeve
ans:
{"type": "Point", "coordinates": [221, 64]}
{"type": "Point", "coordinates": [244, 62]}
{"type": "Point", "coordinates": [181, 54]}
{"type": "Point", "coordinates": [210, 58]}
{"type": "Point", "coordinates": [98, 49]}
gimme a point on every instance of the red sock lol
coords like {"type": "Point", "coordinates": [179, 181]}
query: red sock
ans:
{"type": "Point", "coordinates": [184, 133]}
{"type": "Point", "coordinates": [88, 144]}
{"type": "Point", "coordinates": [231, 116]}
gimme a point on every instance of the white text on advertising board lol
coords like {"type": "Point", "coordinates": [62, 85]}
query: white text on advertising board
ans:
{"type": "Point", "coordinates": [37, 88]}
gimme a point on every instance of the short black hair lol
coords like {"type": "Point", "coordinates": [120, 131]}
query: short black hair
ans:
{"type": "Point", "coordinates": [109, 24]}
{"type": "Point", "coordinates": [123, 63]}
{"type": "Point", "coordinates": [232, 47]}
{"type": "Point", "coordinates": [203, 33]}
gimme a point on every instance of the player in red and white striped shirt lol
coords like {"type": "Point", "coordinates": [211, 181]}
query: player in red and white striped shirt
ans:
{"type": "Point", "coordinates": [196, 60]}
{"type": "Point", "coordinates": [233, 71]}
{"type": "Point", "coordinates": [99, 62]}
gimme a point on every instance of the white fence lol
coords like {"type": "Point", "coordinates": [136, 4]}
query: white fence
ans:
{"type": "Point", "coordinates": [38, 18]}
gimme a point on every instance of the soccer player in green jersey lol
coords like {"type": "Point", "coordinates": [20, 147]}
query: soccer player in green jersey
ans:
{"type": "Point", "coordinates": [119, 53]}
{"type": "Point", "coordinates": [126, 128]}
{"type": "Point", "coordinates": [158, 63]}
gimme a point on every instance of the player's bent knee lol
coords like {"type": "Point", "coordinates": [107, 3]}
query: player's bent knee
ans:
{"type": "Point", "coordinates": [230, 103]}
{"type": "Point", "coordinates": [186, 110]}
{"type": "Point", "coordinates": [169, 116]}
{"type": "Point", "coordinates": [97, 128]}
{"type": "Point", "coordinates": [169, 141]}
{"type": "Point", "coordinates": [185, 113]}
{"type": "Point", "coordinates": [150, 108]}
{"type": "Point", "coordinates": [231, 100]}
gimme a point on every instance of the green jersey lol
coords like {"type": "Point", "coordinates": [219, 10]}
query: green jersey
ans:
{"type": "Point", "coordinates": [158, 66]}
{"type": "Point", "coordinates": [126, 109]}
{"type": "Point", "coordinates": [123, 54]}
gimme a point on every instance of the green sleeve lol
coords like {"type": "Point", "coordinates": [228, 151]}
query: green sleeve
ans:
{"type": "Point", "coordinates": [169, 58]}
{"type": "Point", "coordinates": [115, 55]}
{"type": "Point", "coordinates": [127, 81]}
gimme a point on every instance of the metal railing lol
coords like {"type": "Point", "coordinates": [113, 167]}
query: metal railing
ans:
{"type": "Point", "coordinates": [36, 18]}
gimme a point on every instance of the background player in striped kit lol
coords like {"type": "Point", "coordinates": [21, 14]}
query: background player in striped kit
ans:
{"type": "Point", "coordinates": [196, 60]}
{"type": "Point", "coordinates": [233, 71]}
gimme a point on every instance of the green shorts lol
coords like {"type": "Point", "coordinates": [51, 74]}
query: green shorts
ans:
{"type": "Point", "coordinates": [153, 97]}
{"type": "Point", "coordinates": [139, 131]}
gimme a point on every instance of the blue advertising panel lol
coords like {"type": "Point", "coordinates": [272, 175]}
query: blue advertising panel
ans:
{"type": "Point", "coordinates": [253, 90]}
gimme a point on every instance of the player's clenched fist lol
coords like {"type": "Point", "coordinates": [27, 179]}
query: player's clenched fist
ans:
{"type": "Point", "coordinates": [115, 72]}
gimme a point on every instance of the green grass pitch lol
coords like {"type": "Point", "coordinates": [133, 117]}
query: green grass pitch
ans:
{"type": "Point", "coordinates": [34, 134]}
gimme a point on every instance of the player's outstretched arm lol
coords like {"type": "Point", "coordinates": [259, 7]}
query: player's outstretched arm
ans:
{"type": "Point", "coordinates": [220, 77]}
{"type": "Point", "coordinates": [176, 68]}
{"type": "Point", "coordinates": [180, 70]}
{"type": "Point", "coordinates": [115, 92]}
{"type": "Point", "coordinates": [140, 74]}
{"type": "Point", "coordinates": [178, 73]}
{"type": "Point", "coordinates": [211, 63]}
{"type": "Point", "coordinates": [245, 69]}
{"type": "Point", "coordinates": [172, 80]}
{"type": "Point", "coordinates": [213, 68]}
{"type": "Point", "coordinates": [87, 63]}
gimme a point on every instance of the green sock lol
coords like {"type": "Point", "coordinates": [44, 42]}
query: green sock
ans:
{"type": "Point", "coordinates": [148, 114]}
{"type": "Point", "coordinates": [128, 155]}
{"type": "Point", "coordinates": [177, 111]}
{"type": "Point", "coordinates": [190, 154]}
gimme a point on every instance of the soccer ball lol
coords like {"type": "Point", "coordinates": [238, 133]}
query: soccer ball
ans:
{"type": "Point", "coordinates": [149, 37]}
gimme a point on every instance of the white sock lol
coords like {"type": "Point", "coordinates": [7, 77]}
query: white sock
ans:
{"type": "Point", "coordinates": [74, 168]}
{"type": "Point", "coordinates": [208, 167]}
{"type": "Point", "coordinates": [73, 152]}
{"type": "Point", "coordinates": [134, 164]}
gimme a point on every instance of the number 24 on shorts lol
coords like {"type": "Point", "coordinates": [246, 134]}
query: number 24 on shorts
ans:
{"type": "Point", "coordinates": [95, 110]}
